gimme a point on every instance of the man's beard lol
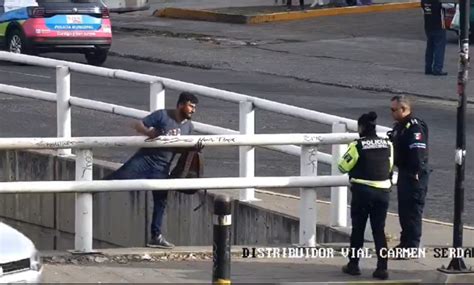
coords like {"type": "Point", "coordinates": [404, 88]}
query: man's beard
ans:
{"type": "Point", "coordinates": [185, 115]}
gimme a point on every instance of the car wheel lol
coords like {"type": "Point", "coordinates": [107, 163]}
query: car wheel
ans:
{"type": "Point", "coordinates": [16, 42]}
{"type": "Point", "coordinates": [96, 58]}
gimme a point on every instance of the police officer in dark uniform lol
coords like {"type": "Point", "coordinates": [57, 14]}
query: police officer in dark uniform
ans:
{"type": "Point", "coordinates": [435, 31]}
{"type": "Point", "coordinates": [410, 140]}
{"type": "Point", "coordinates": [369, 162]}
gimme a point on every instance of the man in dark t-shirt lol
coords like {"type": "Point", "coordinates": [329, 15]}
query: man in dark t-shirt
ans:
{"type": "Point", "coordinates": [435, 30]}
{"type": "Point", "coordinates": [154, 163]}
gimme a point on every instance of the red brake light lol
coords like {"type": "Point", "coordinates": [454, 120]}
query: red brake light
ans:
{"type": "Point", "coordinates": [105, 13]}
{"type": "Point", "coordinates": [36, 12]}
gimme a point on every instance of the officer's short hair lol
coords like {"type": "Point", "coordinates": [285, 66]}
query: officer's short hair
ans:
{"type": "Point", "coordinates": [402, 100]}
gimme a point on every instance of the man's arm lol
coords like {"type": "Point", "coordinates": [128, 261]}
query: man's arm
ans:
{"type": "Point", "coordinates": [418, 149]}
{"type": "Point", "coordinates": [349, 159]}
{"type": "Point", "coordinates": [150, 126]}
{"type": "Point", "coordinates": [142, 129]}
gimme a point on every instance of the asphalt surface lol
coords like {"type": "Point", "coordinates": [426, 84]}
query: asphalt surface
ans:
{"type": "Point", "coordinates": [340, 65]}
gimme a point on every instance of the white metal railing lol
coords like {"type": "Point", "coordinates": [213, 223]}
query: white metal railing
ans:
{"type": "Point", "coordinates": [158, 85]}
{"type": "Point", "coordinates": [84, 187]}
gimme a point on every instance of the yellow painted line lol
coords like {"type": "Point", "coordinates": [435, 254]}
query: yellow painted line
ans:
{"type": "Point", "coordinates": [202, 15]}
{"type": "Point", "coordinates": [300, 15]}
{"type": "Point", "coordinates": [211, 16]}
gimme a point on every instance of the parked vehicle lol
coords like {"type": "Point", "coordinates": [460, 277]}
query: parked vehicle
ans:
{"type": "Point", "coordinates": [19, 259]}
{"type": "Point", "coordinates": [38, 26]}
{"type": "Point", "coordinates": [449, 15]}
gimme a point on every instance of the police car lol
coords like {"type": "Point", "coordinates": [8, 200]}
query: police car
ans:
{"type": "Point", "coordinates": [38, 26]}
{"type": "Point", "coordinates": [19, 259]}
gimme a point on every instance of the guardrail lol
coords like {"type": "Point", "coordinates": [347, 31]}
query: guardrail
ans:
{"type": "Point", "coordinates": [157, 87]}
{"type": "Point", "coordinates": [84, 186]}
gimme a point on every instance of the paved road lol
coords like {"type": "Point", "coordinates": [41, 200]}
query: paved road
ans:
{"type": "Point", "coordinates": [340, 65]}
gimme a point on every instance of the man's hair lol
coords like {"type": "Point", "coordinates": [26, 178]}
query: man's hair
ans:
{"type": "Point", "coordinates": [186, 97]}
{"type": "Point", "coordinates": [402, 100]}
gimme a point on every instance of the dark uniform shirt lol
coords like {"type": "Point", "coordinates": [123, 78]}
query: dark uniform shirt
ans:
{"type": "Point", "coordinates": [410, 140]}
{"type": "Point", "coordinates": [434, 15]}
{"type": "Point", "coordinates": [369, 161]}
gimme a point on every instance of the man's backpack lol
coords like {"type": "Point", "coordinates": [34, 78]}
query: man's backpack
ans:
{"type": "Point", "coordinates": [189, 165]}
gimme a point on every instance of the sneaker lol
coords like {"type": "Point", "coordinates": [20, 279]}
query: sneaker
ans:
{"type": "Point", "coordinates": [440, 73]}
{"type": "Point", "coordinates": [159, 242]}
{"type": "Point", "coordinates": [351, 269]}
{"type": "Point", "coordinates": [380, 274]}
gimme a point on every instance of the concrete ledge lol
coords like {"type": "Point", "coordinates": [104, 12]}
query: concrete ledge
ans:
{"type": "Point", "coordinates": [212, 16]}
{"type": "Point", "coordinates": [447, 278]}
{"type": "Point", "coordinates": [201, 15]}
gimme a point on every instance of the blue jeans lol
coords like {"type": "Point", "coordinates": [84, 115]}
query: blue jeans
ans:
{"type": "Point", "coordinates": [434, 54]}
{"type": "Point", "coordinates": [138, 168]}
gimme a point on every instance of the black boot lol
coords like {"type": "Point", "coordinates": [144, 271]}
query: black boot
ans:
{"type": "Point", "coordinates": [380, 274]}
{"type": "Point", "coordinates": [351, 269]}
{"type": "Point", "coordinates": [159, 242]}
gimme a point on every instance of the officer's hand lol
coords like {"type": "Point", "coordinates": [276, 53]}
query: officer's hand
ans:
{"type": "Point", "coordinates": [416, 177]}
{"type": "Point", "coordinates": [390, 135]}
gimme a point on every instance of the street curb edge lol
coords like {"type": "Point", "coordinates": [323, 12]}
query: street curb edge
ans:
{"type": "Point", "coordinates": [211, 16]}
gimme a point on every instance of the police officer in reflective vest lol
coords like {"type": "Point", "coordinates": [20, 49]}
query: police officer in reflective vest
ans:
{"type": "Point", "coordinates": [369, 162]}
{"type": "Point", "coordinates": [410, 141]}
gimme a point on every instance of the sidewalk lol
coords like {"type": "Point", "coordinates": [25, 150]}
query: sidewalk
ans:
{"type": "Point", "coordinates": [435, 234]}
{"type": "Point", "coordinates": [194, 263]}
{"type": "Point", "coordinates": [219, 4]}
{"type": "Point", "coordinates": [154, 268]}
{"type": "Point", "coordinates": [264, 11]}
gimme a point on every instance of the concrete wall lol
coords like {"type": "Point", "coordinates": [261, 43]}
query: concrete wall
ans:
{"type": "Point", "coordinates": [121, 219]}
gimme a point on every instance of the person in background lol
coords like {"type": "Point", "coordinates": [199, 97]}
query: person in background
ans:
{"type": "Point", "coordinates": [289, 4]}
{"type": "Point", "coordinates": [435, 31]}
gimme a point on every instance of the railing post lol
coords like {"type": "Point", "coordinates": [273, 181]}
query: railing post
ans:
{"type": "Point", "coordinates": [157, 102]}
{"type": "Point", "coordinates": [338, 194]}
{"type": "Point", "coordinates": [157, 96]}
{"type": "Point", "coordinates": [222, 240]}
{"type": "Point", "coordinates": [308, 206]}
{"type": "Point", "coordinates": [83, 219]}
{"type": "Point", "coordinates": [63, 108]}
{"type": "Point", "coordinates": [247, 153]}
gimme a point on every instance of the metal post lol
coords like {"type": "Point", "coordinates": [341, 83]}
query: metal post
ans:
{"type": "Point", "coordinates": [338, 194]}
{"type": "Point", "coordinates": [247, 153]}
{"type": "Point", "coordinates": [63, 108]}
{"type": "Point", "coordinates": [83, 218]}
{"type": "Point", "coordinates": [308, 207]}
{"type": "Point", "coordinates": [157, 96]}
{"type": "Point", "coordinates": [157, 102]}
{"type": "Point", "coordinates": [457, 265]}
{"type": "Point", "coordinates": [222, 240]}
